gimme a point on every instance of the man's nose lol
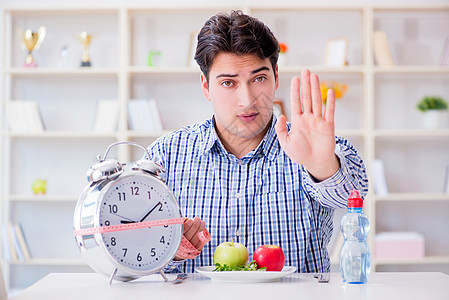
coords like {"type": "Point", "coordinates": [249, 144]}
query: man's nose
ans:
{"type": "Point", "coordinates": [246, 97]}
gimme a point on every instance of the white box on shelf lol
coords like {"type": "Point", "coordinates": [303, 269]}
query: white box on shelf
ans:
{"type": "Point", "coordinates": [399, 245]}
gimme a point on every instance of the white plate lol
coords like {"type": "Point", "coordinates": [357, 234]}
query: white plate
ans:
{"type": "Point", "coordinates": [245, 276]}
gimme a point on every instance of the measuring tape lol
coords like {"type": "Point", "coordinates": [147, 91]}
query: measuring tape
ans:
{"type": "Point", "coordinates": [186, 249]}
{"type": "Point", "coordinates": [130, 226]}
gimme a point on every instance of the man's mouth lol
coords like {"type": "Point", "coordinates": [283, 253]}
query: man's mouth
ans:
{"type": "Point", "coordinates": [248, 117]}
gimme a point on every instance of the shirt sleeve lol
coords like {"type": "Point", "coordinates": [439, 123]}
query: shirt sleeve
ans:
{"type": "Point", "coordinates": [173, 266]}
{"type": "Point", "coordinates": [334, 191]}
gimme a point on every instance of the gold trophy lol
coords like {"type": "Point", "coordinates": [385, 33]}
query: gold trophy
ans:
{"type": "Point", "coordinates": [85, 41]}
{"type": "Point", "coordinates": [32, 40]}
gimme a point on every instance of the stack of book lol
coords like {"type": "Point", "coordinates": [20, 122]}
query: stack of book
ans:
{"type": "Point", "coordinates": [24, 117]}
{"type": "Point", "coordinates": [14, 245]}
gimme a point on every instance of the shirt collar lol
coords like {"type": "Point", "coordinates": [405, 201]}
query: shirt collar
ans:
{"type": "Point", "coordinates": [269, 145]}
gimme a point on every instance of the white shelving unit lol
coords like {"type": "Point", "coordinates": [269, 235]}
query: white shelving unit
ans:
{"type": "Point", "coordinates": [377, 114]}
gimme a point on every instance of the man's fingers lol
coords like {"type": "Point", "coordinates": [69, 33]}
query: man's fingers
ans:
{"type": "Point", "coordinates": [195, 239]}
{"type": "Point", "coordinates": [306, 92]}
{"type": "Point", "coordinates": [281, 129]}
{"type": "Point", "coordinates": [193, 228]}
{"type": "Point", "coordinates": [295, 102]}
{"type": "Point", "coordinates": [317, 103]}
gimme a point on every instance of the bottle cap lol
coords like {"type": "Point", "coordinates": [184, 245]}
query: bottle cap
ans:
{"type": "Point", "coordinates": [355, 200]}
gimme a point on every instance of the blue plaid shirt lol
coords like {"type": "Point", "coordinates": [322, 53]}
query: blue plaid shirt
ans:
{"type": "Point", "coordinates": [265, 196]}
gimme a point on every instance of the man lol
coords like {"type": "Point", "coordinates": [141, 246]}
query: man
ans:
{"type": "Point", "coordinates": [246, 175]}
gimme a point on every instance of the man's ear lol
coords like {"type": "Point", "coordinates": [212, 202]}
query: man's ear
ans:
{"type": "Point", "coordinates": [205, 86]}
{"type": "Point", "coordinates": [276, 77]}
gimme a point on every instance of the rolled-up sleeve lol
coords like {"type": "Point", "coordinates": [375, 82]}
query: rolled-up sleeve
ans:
{"type": "Point", "coordinates": [334, 191]}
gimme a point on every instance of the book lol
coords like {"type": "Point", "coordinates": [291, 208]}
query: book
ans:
{"type": "Point", "coordinates": [106, 116]}
{"type": "Point", "coordinates": [22, 242]}
{"type": "Point", "coordinates": [24, 117]}
{"type": "Point", "coordinates": [6, 250]}
{"type": "Point", "coordinates": [15, 242]}
{"type": "Point", "coordinates": [444, 56]}
{"type": "Point", "coordinates": [156, 116]}
{"type": "Point", "coordinates": [379, 180]}
{"type": "Point", "coordinates": [381, 49]}
{"type": "Point", "coordinates": [144, 115]}
{"type": "Point", "coordinates": [12, 249]}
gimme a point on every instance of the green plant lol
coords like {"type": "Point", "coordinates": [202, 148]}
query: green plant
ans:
{"type": "Point", "coordinates": [428, 103]}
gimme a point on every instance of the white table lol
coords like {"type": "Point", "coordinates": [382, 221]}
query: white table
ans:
{"type": "Point", "coordinates": [383, 286]}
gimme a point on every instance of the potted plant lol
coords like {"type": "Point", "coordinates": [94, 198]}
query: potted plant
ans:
{"type": "Point", "coordinates": [433, 108]}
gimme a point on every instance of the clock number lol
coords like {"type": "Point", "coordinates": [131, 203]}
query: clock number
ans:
{"type": "Point", "coordinates": [113, 242]}
{"type": "Point", "coordinates": [135, 191]}
{"type": "Point", "coordinates": [139, 258]}
{"type": "Point", "coordinates": [162, 241]}
{"type": "Point", "coordinates": [149, 195]}
{"type": "Point", "coordinates": [120, 196]}
{"type": "Point", "coordinates": [153, 252]}
{"type": "Point", "coordinates": [113, 209]}
{"type": "Point", "coordinates": [124, 251]}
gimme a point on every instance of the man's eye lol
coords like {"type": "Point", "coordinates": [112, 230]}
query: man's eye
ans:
{"type": "Point", "coordinates": [227, 83]}
{"type": "Point", "coordinates": [260, 79]}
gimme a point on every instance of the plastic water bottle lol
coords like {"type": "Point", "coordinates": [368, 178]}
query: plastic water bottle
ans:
{"type": "Point", "coordinates": [355, 257]}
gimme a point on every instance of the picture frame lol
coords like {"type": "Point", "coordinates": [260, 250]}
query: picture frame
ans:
{"type": "Point", "coordinates": [336, 52]}
{"type": "Point", "coordinates": [278, 108]}
{"type": "Point", "coordinates": [191, 62]}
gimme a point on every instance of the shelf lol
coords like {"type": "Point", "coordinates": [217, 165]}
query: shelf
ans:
{"type": "Point", "coordinates": [412, 70]}
{"type": "Point", "coordinates": [406, 133]}
{"type": "Point", "coordinates": [51, 262]}
{"type": "Point", "coordinates": [29, 72]}
{"type": "Point", "coordinates": [62, 134]}
{"type": "Point", "coordinates": [413, 197]}
{"type": "Point", "coordinates": [418, 261]}
{"type": "Point", "coordinates": [149, 134]}
{"type": "Point", "coordinates": [163, 70]}
{"type": "Point", "coordinates": [43, 198]}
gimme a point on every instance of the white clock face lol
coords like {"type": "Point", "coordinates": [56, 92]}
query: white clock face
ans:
{"type": "Point", "coordinates": [133, 199]}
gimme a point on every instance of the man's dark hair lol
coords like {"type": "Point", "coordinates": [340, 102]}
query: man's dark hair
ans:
{"type": "Point", "coordinates": [235, 33]}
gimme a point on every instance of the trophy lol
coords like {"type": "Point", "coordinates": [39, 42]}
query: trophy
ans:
{"type": "Point", "coordinates": [32, 40]}
{"type": "Point", "coordinates": [85, 41]}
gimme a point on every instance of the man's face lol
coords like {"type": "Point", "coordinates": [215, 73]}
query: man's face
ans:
{"type": "Point", "coordinates": [241, 89]}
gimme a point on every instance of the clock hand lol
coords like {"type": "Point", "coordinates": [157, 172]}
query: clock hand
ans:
{"type": "Point", "coordinates": [151, 210]}
{"type": "Point", "coordinates": [123, 221]}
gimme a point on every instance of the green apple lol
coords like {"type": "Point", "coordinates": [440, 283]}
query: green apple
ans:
{"type": "Point", "coordinates": [231, 254]}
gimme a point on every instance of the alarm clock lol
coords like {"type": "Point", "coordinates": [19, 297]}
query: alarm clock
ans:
{"type": "Point", "coordinates": [127, 223]}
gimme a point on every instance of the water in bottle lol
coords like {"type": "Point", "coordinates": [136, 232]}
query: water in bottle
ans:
{"type": "Point", "coordinates": [355, 257]}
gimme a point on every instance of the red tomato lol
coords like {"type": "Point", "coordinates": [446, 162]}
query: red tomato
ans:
{"type": "Point", "coordinates": [269, 256]}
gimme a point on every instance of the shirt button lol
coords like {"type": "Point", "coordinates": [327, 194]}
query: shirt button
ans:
{"type": "Point", "coordinates": [238, 195]}
{"type": "Point", "coordinates": [240, 162]}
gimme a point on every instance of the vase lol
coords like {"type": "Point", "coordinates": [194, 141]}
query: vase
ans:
{"type": "Point", "coordinates": [433, 119]}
